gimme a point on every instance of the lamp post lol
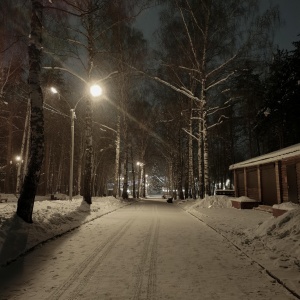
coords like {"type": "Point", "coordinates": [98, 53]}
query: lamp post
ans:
{"type": "Point", "coordinates": [95, 91]}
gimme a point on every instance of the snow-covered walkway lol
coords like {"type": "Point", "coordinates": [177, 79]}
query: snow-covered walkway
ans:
{"type": "Point", "coordinates": [149, 250]}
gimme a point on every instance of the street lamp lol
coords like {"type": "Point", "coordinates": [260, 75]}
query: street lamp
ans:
{"type": "Point", "coordinates": [53, 90]}
{"type": "Point", "coordinates": [95, 91]}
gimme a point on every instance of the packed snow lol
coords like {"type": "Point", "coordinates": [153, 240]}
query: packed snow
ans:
{"type": "Point", "coordinates": [273, 243]}
{"type": "Point", "coordinates": [51, 218]}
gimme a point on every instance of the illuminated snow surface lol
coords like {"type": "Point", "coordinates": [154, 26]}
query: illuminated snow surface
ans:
{"type": "Point", "coordinates": [149, 249]}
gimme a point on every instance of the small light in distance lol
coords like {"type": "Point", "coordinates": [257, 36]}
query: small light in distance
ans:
{"type": "Point", "coordinates": [53, 90]}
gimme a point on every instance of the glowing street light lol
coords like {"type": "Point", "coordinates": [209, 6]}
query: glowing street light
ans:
{"type": "Point", "coordinates": [53, 90]}
{"type": "Point", "coordinates": [95, 91]}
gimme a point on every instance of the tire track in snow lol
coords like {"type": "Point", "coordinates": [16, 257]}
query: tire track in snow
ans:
{"type": "Point", "coordinates": [90, 264]}
{"type": "Point", "coordinates": [141, 267]}
{"type": "Point", "coordinates": [148, 259]}
{"type": "Point", "coordinates": [99, 259]}
{"type": "Point", "coordinates": [151, 290]}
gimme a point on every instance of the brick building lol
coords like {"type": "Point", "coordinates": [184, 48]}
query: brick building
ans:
{"type": "Point", "coordinates": [271, 178]}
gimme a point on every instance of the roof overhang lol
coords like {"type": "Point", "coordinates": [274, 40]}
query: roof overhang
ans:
{"type": "Point", "coordinates": [269, 157]}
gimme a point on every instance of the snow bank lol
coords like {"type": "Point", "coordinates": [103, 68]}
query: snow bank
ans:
{"type": "Point", "coordinates": [287, 206]}
{"type": "Point", "coordinates": [51, 218]}
{"type": "Point", "coordinates": [281, 234]}
{"type": "Point", "coordinates": [212, 202]}
{"type": "Point", "coordinates": [220, 201]}
{"type": "Point", "coordinates": [285, 225]}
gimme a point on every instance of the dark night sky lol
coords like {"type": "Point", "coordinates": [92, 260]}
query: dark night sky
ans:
{"type": "Point", "coordinates": [290, 14]}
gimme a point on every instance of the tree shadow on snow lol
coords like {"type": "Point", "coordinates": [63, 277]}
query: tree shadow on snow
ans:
{"type": "Point", "coordinates": [16, 235]}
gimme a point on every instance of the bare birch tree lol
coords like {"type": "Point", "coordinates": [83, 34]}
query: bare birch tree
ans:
{"type": "Point", "coordinates": [215, 38]}
{"type": "Point", "coordinates": [31, 180]}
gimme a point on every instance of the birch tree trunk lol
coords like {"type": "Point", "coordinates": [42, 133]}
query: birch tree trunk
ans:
{"type": "Point", "coordinates": [117, 159]}
{"type": "Point", "coordinates": [59, 172]}
{"type": "Point", "coordinates": [133, 173]}
{"type": "Point", "coordinates": [31, 180]}
{"type": "Point", "coordinates": [9, 166]}
{"type": "Point", "coordinates": [27, 130]}
{"type": "Point", "coordinates": [125, 181]}
{"type": "Point", "coordinates": [49, 171]}
{"type": "Point", "coordinates": [79, 174]}
{"type": "Point", "coordinates": [179, 169]}
{"type": "Point", "coordinates": [141, 181]}
{"type": "Point", "coordinates": [205, 141]}
{"type": "Point", "coordinates": [186, 171]}
{"type": "Point", "coordinates": [88, 153]}
{"type": "Point", "coordinates": [191, 165]}
{"type": "Point", "coordinates": [87, 193]}
{"type": "Point", "coordinates": [200, 153]}
{"type": "Point", "coordinates": [21, 164]}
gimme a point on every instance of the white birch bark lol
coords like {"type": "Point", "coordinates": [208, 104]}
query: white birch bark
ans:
{"type": "Point", "coordinates": [200, 151]}
{"type": "Point", "coordinates": [190, 164]}
{"type": "Point", "coordinates": [79, 172]}
{"type": "Point", "coordinates": [31, 180]}
{"type": "Point", "coordinates": [27, 142]}
{"type": "Point", "coordinates": [117, 158]}
{"type": "Point", "coordinates": [87, 192]}
{"type": "Point", "coordinates": [21, 164]}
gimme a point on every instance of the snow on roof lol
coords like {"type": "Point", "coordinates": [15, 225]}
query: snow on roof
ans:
{"type": "Point", "coordinates": [269, 157]}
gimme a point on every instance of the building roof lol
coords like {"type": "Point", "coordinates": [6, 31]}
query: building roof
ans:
{"type": "Point", "coordinates": [269, 157]}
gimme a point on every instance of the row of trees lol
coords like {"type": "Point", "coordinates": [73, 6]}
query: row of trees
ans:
{"type": "Point", "coordinates": [92, 41]}
{"type": "Point", "coordinates": [260, 116]}
{"type": "Point", "coordinates": [207, 49]}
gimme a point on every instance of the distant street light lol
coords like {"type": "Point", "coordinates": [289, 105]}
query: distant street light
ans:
{"type": "Point", "coordinates": [95, 91]}
{"type": "Point", "coordinates": [53, 90]}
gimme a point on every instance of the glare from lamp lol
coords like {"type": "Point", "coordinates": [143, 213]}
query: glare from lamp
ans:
{"type": "Point", "coordinates": [95, 90]}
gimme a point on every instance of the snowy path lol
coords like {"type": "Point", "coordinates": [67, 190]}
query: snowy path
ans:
{"type": "Point", "coordinates": [148, 250]}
